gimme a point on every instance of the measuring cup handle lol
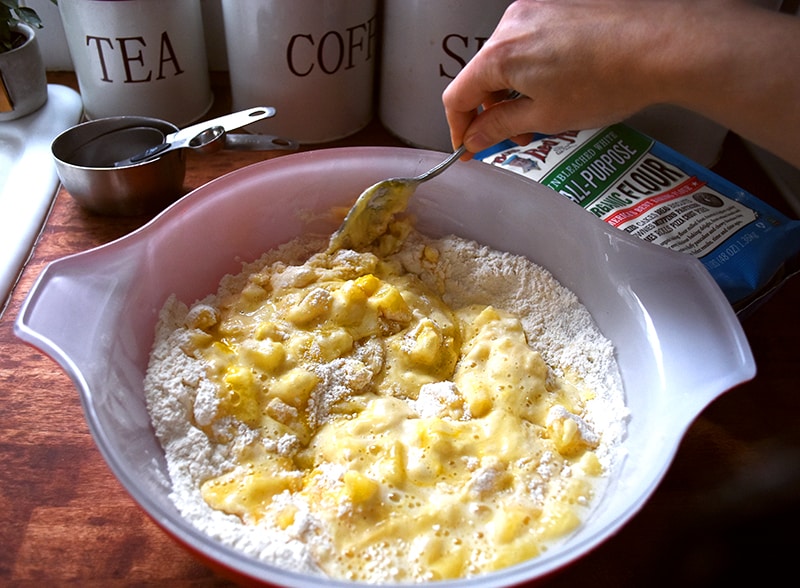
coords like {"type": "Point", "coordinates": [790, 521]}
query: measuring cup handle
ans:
{"type": "Point", "coordinates": [151, 152]}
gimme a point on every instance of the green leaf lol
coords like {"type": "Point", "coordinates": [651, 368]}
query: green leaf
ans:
{"type": "Point", "coordinates": [29, 17]}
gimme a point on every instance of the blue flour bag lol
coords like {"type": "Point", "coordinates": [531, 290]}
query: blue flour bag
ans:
{"type": "Point", "coordinates": [651, 191]}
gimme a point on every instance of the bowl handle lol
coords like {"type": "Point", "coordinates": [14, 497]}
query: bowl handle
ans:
{"type": "Point", "coordinates": [63, 291]}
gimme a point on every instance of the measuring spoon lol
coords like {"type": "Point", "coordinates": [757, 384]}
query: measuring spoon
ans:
{"type": "Point", "coordinates": [205, 137]}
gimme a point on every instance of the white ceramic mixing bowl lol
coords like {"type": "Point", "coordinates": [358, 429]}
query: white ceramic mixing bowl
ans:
{"type": "Point", "coordinates": [678, 342]}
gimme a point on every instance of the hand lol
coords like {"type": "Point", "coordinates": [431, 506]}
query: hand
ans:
{"type": "Point", "coordinates": [583, 64]}
{"type": "Point", "coordinates": [571, 59]}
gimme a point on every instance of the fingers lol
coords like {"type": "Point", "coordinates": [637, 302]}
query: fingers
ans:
{"type": "Point", "coordinates": [462, 103]}
{"type": "Point", "coordinates": [500, 121]}
{"type": "Point", "coordinates": [523, 139]}
{"type": "Point", "coordinates": [459, 122]}
{"type": "Point", "coordinates": [465, 105]}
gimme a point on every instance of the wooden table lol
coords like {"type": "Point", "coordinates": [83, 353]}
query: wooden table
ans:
{"type": "Point", "coordinates": [720, 515]}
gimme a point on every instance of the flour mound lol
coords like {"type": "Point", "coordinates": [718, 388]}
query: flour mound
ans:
{"type": "Point", "coordinates": [180, 398]}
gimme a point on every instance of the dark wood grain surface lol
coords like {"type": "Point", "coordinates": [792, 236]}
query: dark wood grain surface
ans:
{"type": "Point", "coordinates": [726, 511]}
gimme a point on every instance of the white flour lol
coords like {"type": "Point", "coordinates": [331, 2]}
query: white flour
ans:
{"type": "Point", "coordinates": [179, 394]}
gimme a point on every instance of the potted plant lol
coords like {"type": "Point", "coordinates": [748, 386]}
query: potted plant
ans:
{"type": "Point", "coordinates": [23, 84]}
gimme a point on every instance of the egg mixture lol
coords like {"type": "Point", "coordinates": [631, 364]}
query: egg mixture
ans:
{"type": "Point", "coordinates": [427, 442]}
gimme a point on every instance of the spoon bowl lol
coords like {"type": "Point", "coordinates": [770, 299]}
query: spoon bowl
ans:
{"type": "Point", "coordinates": [374, 209]}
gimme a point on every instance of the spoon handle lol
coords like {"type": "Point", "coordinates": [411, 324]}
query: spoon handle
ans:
{"type": "Point", "coordinates": [436, 170]}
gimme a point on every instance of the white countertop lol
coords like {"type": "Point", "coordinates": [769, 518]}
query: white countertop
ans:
{"type": "Point", "coordinates": [28, 179]}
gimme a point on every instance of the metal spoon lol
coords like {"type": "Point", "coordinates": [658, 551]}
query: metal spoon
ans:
{"type": "Point", "coordinates": [369, 217]}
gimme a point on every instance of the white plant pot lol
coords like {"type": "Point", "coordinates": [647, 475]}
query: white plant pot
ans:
{"type": "Point", "coordinates": [23, 84]}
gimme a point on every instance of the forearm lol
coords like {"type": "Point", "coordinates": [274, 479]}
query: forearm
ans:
{"type": "Point", "coordinates": [745, 74]}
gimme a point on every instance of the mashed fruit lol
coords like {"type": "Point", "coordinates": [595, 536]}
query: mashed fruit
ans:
{"type": "Point", "coordinates": [390, 432]}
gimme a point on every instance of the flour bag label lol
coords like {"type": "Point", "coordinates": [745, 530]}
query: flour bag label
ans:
{"type": "Point", "coordinates": [651, 191]}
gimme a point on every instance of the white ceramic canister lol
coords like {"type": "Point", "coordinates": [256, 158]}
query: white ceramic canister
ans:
{"type": "Point", "coordinates": [139, 57]}
{"type": "Point", "coordinates": [313, 60]}
{"type": "Point", "coordinates": [425, 45]}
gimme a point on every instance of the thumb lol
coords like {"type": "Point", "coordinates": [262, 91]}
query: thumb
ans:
{"type": "Point", "coordinates": [503, 120]}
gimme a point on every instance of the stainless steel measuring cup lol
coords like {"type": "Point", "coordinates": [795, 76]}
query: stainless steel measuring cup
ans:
{"type": "Point", "coordinates": [86, 154]}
